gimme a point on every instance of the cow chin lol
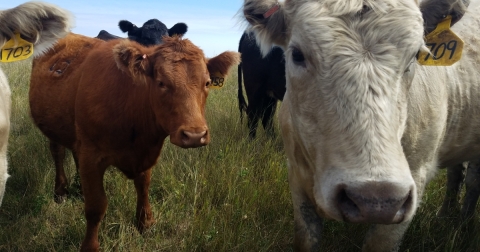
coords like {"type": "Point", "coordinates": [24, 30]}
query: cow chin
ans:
{"type": "Point", "coordinates": [190, 137]}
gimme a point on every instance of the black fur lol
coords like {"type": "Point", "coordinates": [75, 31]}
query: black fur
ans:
{"type": "Point", "coordinates": [434, 11]}
{"type": "Point", "coordinates": [264, 81]}
{"type": "Point", "coordinates": [150, 33]}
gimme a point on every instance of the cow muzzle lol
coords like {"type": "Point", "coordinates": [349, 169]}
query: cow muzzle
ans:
{"type": "Point", "coordinates": [191, 138]}
{"type": "Point", "coordinates": [375, 202]}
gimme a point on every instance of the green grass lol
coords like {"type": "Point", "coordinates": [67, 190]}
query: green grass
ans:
{"type": "Point", "coordinates": [231, 195]}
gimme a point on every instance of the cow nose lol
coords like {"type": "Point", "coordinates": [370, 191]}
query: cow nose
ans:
{"type": "Point", "coordinates": [191, 139]}
{"type": "Point", "coordinates": [379, 203]}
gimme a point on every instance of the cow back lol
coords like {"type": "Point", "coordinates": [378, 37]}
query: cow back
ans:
{"type": "Point", "coordinates": [54, 80]}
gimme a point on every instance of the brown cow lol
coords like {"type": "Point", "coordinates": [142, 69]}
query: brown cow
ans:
{"type": "Point", "coordinates": [114, 103]}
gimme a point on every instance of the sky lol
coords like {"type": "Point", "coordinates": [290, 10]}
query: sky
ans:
{"type": "Point", "coordinates": [213, 25]}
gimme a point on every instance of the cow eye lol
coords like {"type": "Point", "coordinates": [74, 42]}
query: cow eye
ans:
{"type": "Point", "coordinates": [297, 56]}
{"type": "Point", "coordinates": [208, 83]}
{"type": "Point", "coordinates": [161, 84]}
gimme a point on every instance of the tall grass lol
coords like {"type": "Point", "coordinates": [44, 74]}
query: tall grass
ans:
{"type": "Point", "coordinates": [231, 195]}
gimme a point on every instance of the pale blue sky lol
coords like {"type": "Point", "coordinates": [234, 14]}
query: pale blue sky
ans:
{"type": "Point", "coordinates": [213, 25]}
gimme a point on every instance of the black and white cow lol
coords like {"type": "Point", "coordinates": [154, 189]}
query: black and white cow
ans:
{"type": "Point", "coordinates": [150, 33]}
{"type": "Point", "coordinates": [264, 81]}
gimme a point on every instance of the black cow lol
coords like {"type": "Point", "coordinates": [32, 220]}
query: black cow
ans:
{"type": "Point", "coordinates": [264, 81]}
{"type": "Point", "coordinates": [150, 33]}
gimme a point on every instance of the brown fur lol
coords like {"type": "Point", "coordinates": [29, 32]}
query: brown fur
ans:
{"type": "Point", "coordinates": [114, 103]}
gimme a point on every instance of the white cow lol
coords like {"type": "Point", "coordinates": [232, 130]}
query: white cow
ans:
{"type": "Point", "coordinates": [41, 24]}
{"type": "Point", "coordinates": [365, 126]}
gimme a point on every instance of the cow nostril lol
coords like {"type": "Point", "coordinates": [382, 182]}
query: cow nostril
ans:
{"type": "Point", "coordinates": [185, 137]}
{"type": "Point", "coordinates": [347, 206]}
{"type": "Point", "coordinates": [400, 215]}
{"type": "Point", "coordinates": [204, 137]}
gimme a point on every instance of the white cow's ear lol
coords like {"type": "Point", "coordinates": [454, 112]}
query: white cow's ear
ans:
{"type": "Point", "coordinates": [267, 20]}
{"type": "Point", "coordinates": [130, 58]}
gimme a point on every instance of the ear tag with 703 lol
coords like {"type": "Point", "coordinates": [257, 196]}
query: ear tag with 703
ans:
{"type": "Point", "coordinates": [16, 49]}
{"type": "Point", "coordinates": [445, 46]}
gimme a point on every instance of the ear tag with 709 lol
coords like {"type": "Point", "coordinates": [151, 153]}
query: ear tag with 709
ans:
{"type": "Point", "coordinates": [16, 49]}
{"type": "Point", "coordinates": [445, 46]}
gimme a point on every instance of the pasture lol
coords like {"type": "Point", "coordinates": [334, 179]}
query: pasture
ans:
{"type": "Point", "coordinates": [231, 195]}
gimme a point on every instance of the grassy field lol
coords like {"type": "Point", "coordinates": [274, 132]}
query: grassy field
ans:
{"type": "Point", "coordinates": [231, 195]}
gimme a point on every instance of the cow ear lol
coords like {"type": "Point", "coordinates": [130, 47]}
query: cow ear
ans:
{"type": "Point", "coordinates": [434, 11]}
{"type": "Point", "coordinates": [178, 29]}
{"type": "Point", "coordinates": [39, 23]}
{"type": "Point", "coordinates": [267, 21]}
{"type": "Point", "coordinates": [125, 25]}
{"type": "Point", "coordinates": [132, 59]}
{"type": "Point", "coordinates": [222, 63]}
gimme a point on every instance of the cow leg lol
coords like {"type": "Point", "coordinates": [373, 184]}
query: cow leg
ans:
{"type": "Point", "coordinates": [61, 182]}
{"type": "Point", "coordinates": [91, 175]}
{"type": "Point", "coordinates": [76, 180]}
{"type": "Point", "coordinates": [454, 184]}
{"type": "Point", "coordinates": [472, 184]}
{"type": "Point", "coordinates": [253, 113]}
{"type": "Point", "coordinates": [144, 214]}
{"type": "Point", "coordinates": [267, 120]}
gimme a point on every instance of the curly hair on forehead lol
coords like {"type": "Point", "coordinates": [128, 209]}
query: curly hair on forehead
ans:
{"type": "Point", "coordinates": [338, 8]}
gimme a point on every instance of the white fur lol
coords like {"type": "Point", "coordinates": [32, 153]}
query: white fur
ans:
{"type": "Point", "coordinates": [361, 111]}
{"type": "Point", "coordinates": [42, 24]}
{"type": "Point", "coordinates": [4, 130]}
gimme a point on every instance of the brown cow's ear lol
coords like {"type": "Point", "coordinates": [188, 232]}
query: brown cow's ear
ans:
{"type": "Point", "coordinates": [131, 59]}
{"type": "Point", "coordinates": [222, 63]}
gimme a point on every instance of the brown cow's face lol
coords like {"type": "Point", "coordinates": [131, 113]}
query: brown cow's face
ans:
{"type": "Point", "coordinates": [178, 96]}
{"type": "Point", "coordinates": [177, 74]}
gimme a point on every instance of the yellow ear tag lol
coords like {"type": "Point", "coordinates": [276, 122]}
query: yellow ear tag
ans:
{"type": "Point", "coordinates": [16, 49]}
{"type": "Point", "coordinates": [217, 81]}
{"type": "Point", "coordinates": [445, 46]}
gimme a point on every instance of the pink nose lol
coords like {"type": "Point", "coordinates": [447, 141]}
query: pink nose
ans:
{"type": "Point", "coordinates": [375, 202]}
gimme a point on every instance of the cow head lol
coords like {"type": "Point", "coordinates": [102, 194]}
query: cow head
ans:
{"type": "Point", "coordinates": [178, 77]}
{"type": "Point", "coordinates": [349, 66]}
{"type": "Point", "coordinates": [151, 32]}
